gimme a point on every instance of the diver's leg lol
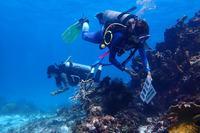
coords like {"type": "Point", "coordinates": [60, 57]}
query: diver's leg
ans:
{"type": "Point", "coordinates": [94, 37]}
{"type": "Point", "coordinates": [98, 74]}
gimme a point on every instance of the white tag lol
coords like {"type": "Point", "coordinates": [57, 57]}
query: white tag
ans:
{"type": "Point", "coordinates": [148, 91]}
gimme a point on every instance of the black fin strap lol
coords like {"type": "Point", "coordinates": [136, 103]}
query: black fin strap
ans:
{"type": "Point", "coordinates": [121, 15]}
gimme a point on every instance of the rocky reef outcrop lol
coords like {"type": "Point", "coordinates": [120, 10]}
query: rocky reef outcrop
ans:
{"type": "Point", "coordinates": [109, 108]}
{"type": "Point", "coordinates": [175, 62]}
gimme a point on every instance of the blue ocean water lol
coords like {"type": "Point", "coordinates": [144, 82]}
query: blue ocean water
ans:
{"type": "Point", "coordinates": [30, 40]}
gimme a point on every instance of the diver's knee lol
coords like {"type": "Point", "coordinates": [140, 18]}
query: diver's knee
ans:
{"type": "Point", "coordinates": [84, 35]}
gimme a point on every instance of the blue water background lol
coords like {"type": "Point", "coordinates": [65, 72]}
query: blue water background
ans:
{"type": "Point", "coordinates": [30, 40]}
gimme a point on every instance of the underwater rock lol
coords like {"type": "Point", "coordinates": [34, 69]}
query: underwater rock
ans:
{"type": "Point", "coordinates": [178, 118]}
{"type": "Point", "coordinates": [184, 116]}
{"type": "Point", "coordinates": [185, 113]}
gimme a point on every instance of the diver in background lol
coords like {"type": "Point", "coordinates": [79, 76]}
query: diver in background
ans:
{"type": "Point", "coordinates": [135, 35]}
{"type": "Point", "coordinates": [70, 74]}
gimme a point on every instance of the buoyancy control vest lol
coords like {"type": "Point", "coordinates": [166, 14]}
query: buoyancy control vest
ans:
{"type": "Point", "coordinates": [131, 26]}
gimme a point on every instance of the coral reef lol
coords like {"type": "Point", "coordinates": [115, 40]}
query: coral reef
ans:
{"type": "Point", "coordinates": [115, 107]}
{"type": "Point", "coordinates": [183, 115]}
{"type": "Point", "coordinates": [175, 63]}
{"type": "Point", "coordinates": [111, 95]}
{"type": "Point", "coordinates": [175, 69]}
{"type": "Point", "coordinates": [109, 108]}
{"type": "Point", "coordinates": [176, 75]}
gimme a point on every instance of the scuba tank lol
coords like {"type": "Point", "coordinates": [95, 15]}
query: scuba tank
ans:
{"type": "Point", "coordinates": [77, 66]}
{"type": "Point", "coordinates": [76, 72]}
{"type": "Point", "coordinates": [110, 16]}
{"type": "Point", "coordinates": [113, 16]}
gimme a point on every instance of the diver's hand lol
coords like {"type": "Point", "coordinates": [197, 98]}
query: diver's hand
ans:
{"type": "Point", "coordinates": [149, 77]}
{"type": "Point", "coordinates": [83, 20]}
{"type": "Point", "coordinates": [58, 91]}
{"type": "Point", "coordinates": [53, 93]}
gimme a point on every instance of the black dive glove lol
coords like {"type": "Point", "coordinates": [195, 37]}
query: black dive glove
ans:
{"type": "Point", "coordinates": [83, 20]}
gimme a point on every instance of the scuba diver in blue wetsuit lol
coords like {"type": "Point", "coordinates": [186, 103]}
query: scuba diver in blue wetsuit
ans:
{"type": "Point", "coordinates": [121, 32]}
